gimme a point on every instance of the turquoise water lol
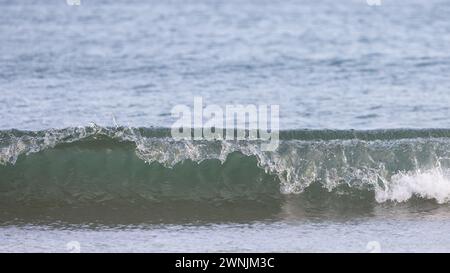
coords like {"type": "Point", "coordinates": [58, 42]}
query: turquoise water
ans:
{"type": "Point", "coordinates": [86, 157]}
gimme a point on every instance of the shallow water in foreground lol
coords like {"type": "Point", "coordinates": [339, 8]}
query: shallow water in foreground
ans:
{"type": "Point", "coordinates": [389, 228]}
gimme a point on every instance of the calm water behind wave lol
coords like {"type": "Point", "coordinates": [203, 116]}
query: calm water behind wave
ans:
{"type": "Point", "coordinates": [328, 64]}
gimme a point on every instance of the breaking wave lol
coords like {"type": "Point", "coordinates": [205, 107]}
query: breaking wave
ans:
{"type": "Point", "coordinates": [98, 164]}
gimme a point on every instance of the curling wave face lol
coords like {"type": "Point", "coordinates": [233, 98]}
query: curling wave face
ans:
{"type": "Point", "coordinates": [132, 165]}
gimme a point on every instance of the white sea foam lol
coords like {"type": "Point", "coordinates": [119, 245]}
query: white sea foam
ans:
{"type": "Point", "coordinates": [428, 184]}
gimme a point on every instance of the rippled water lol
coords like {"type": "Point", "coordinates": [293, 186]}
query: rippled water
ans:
{"type": "Point", "coordinates": [328, 64]}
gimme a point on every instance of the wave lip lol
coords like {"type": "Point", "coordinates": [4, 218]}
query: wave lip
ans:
{"type": "Point", "coordinates": [97, 164]}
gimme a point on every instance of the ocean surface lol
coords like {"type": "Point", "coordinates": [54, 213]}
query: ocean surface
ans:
{"type": "Point", "coordinates": [87, 162]}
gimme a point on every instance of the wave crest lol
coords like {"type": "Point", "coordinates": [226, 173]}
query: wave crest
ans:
{"type": "Point", "coordinates": [145, 163]}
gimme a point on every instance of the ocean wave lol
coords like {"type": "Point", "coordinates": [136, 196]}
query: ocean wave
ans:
{"type": "Point", "coordinates": [98, 164]}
